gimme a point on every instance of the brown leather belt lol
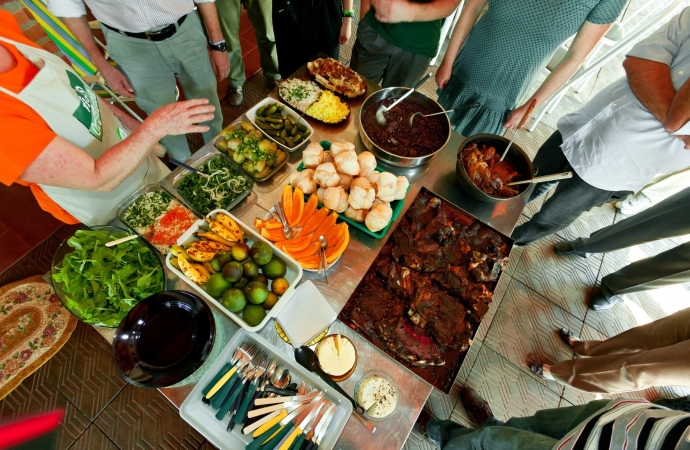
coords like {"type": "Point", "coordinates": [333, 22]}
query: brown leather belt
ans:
{"type": "Point", "coordinates": [160, 35]}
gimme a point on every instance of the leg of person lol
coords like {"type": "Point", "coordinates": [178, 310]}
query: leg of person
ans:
{"type": "Point", "coordinates": [405, 68]}
{"type": "Point", "coordinates": [660, 333]}
{"type": "Point", "coordinates": [667, 186]}
{"type": "Point", "coordinates": [663, 366]}
{"type": "Point", "coordinates": [663, 220]}
{"type": "Point", "coordinates": [293, 43]}
{"type": "Point", "coordinates": [261, 15]}
{"type": "Point", "coordinates": [371, 53]}
{"type": "Point", "coordinates": [549, 160]}
{"type": "Point", "coordinates": [151, 78]}
{"type": "Point", "coordinates": [187, 52]}
{"type": "Point", "coordinates": [229, 19]}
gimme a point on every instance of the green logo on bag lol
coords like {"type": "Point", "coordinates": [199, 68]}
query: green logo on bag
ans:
{"type": "Point", "coordinates": [88, 112]}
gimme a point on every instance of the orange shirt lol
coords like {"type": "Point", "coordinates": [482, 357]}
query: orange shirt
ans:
{"type": "Point", "coordinates": [23, 132]}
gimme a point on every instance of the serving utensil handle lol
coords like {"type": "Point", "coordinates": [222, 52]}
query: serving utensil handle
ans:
{"type": "Point", "coordinates": [554, 177]}
{"type": "Point", "coordinates": [183, 165]}
{"type": "Point", "coordinates": [121, 240]}
{"type": "Point", "coordinates": [414, 88]}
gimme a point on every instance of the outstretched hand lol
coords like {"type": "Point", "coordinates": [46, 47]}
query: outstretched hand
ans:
{"type": "Point", "coordinates": [182, 117]}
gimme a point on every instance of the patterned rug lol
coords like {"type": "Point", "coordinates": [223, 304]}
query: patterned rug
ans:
{"type": "Point", "coordinates": [33, 327]}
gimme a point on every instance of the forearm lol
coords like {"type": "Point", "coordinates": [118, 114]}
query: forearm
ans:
{"type": "Point", "coordinates": [210, 15]}
{"type": "Point", "coordinates": [679, 112]}
{"type": "Point", "coordinates": [556, 79]}
{"type": "Point", "coordinates": [364, 7]}
{"type": "Point", "coordinates": [128, 121]}
{"type": "Point", "coordinates": [468, 17]}
{"type": "Point", "coordinates": [348, 5]}
{"type": "Point", "coordinates": [425, 12]}
{"type": "Point", "coordinates": [80, 28]}
{"type": "Point", "coordinates": [651, 83]}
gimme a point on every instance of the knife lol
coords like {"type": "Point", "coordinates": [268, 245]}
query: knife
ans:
{"type": "Point", "coordinates": [287, 426]}
{"type": "Point", "coordinates": [294, 398]}
{"type": "Point", "coordinates": [269, 430]}
{"type": "Point", "coordinates": [300, 433]}
{"type": "Point", "coordinates": [322, 428]}
{"type": "Point", "coordinates": [315, 425]}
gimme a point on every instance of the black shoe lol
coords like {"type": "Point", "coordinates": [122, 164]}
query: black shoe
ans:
{"type": "Point", "coordinates": [564, 248]}
{"type": "Point", "coordinates": [567, 336]}
{"type": "Point", "coordinates": [476, 406]}
{"type": "Point", "coordinates": [537, 368]}
{"type": "Point", "coordinates": [235, 96]}
{"type": "Point", "coordinates": [422, 421]}
{"type": "Point", "coordinates": [600, 302]}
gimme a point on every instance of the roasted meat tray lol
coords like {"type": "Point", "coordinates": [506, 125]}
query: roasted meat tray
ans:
{"type": "Point", "coordinates": [424, 296]}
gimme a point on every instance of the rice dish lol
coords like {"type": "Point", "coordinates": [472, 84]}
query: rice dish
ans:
{"type": "Point", "coordinates": [299, 94]}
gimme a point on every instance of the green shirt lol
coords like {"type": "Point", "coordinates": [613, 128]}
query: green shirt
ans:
{"type": "Point", "coordinates": [421, 38]}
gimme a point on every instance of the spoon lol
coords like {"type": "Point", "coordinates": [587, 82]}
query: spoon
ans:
{"type": "Point", "coordinates": [287, 231]}
{"type": "Point", "coordinates": [525, 116]}
{"type": "Point", "coordinates": [383, 109]}
{"type": "Point", "coordinates": [411, 119]}
{"type": "Point", "coordinates": [324, 243]}
{"type": "Point", "coordinates": [554, 177]}
{"type": "Point", "coordinates": [272, 213]}
{"type": "Point", "coordinates": [308, 359]}
{"type": "Point", "coordinates": [186, 166]}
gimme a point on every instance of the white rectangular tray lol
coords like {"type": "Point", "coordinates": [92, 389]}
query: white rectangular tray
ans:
{"type": "Point", "coordinates": [251, 115]}
{"type": "Point", "coordinates": [293, 275]}
{"type": "Point", "coordinates": [202, 417]}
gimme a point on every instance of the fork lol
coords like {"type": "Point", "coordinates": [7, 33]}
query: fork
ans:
{"type": "Point", "coordinates": [243, 355]}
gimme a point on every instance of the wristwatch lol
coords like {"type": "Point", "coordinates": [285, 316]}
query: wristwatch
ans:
{"type": "Point", "coordinates": [218, 46]}
{"type": "Point", "coordinates": [350, 14]}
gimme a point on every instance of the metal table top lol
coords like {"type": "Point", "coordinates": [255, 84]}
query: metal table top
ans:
{"type": "Point", "coordinates": [438, 176]}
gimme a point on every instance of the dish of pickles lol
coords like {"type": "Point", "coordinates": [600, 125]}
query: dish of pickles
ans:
{"type": "Point", "coordinates": [280, 123]}
{"type": "Point", "coordinates": [257, 156]}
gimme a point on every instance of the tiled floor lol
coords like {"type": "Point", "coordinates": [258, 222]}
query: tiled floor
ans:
{"type": "Point", "coordinates": [539, 293]}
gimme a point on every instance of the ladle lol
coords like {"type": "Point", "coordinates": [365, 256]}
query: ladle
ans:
{"type": "Point", "coordinates": [384, 109]}
{"type": "Point", "coordinates": [411, 119]}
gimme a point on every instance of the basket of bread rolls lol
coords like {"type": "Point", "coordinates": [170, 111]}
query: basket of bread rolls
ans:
{"type": "Point", "coordinates": [351, 184]}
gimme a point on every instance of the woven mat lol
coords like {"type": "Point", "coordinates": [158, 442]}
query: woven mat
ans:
{"type": "Point", "coordinates": [33, 327]}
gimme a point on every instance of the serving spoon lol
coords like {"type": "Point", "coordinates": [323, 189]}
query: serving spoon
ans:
{"type": "Point", "coordinates": [525, 116]}
{"type": "Point", "coordinates": [322, 253]}
{"type": "Point", "coordinates": [380, 118]}
{"type": "Point", "coordinates": [411, 119]}
{"type": "Point", "coordinates": [554, 177]}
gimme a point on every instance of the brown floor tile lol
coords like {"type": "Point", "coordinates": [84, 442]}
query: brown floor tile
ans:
{"type": "Point", "coordinates": [93, 439]}
{"type": "Point", "coordinates": [36, 394]}
{"type": "Point", "coordinates": [67, 231]}
{"type": "Point", "coordinates": [247, 44]}
{"type": "Point", "coordinates": [13, 248]}
{"type": "Point", "coordinates": [37, 262]}
{"type": "Point", "coordinates": [32, 225]}
{"type": "Point", "coordinates": [252, 63]}
{"type": "Point", "coordinates": [250, 36]}
{"type": "Point", "coordinates": [207, 446]}
{"type": "Point", "coordinates": [143, 418]}
{"type": "Point", "coordinates": [84, 371]}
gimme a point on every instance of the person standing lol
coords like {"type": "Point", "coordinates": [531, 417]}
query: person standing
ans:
{"type": "Point", "coordinates": [397, 39]}
{"type": "Point", "coordinates": [155, 44]}
{"type": "Point", "coordinates": [623, 137]}
{"type": "Point", "coordinates": [260, 14]}
{"type": "Point", "coordinates": [655, 192]}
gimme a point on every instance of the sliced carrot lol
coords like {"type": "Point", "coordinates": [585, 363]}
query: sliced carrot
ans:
{"type": "Point", "coordinates": [297, 207]}
{"type": "Point", "coordinates": [287, 203]}
{"type": "Point", "coordinates": [314, 222]}
{"type": "Point", "coordinates": [325, 226]}
{"type": "Point", "coordinates": [309, 210]}
{"type": "Point", "coordinates": [311, 249]}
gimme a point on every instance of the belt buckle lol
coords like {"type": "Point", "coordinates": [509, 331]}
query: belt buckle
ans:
{"type": "Point", "coordinates": [153, 34]}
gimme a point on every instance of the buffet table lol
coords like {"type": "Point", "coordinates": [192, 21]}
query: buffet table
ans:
{"type": "Point", "coordinates": [344, 276]}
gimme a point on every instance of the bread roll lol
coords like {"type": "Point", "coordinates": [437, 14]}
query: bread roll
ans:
{"type": "Point", "coordinates": [346, 162]}
{"type": "Point", "coordinates": [305, 181]}
{"type": "Point", "coordinates": [378, 201]}
{"type": "Point", "coordinates": [312, 156]}
{"type": "Point", "coordinates": [379, 216]}
{"type": "Point", "coordinates": [401, 187]}
{"type": "Point", "coordinates": [358, 215]}
{"type": "Point", "coordinates": [326, 176]}
{"type": "Point", "coordinates": [345, 181]}
{"type": "Point", "coordinates": [336, 199]}
{"type": "Point", "coordinates": [341, 146]}
{"type": "Point", "coordinates": [386, 187]}
{"type": "Point", "coordinates": [327, 157]}
{"type": "Point", "coordinates": [360, 181]}
{"type": "Point", "coordinates": [362, 197]}
{"type": "Point", "coordinates": [367, 163]}
{"type": "Point", "coordinates": [319, 194]}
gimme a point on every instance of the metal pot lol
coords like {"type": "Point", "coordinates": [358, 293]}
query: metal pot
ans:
{"type": "Point", "coordinates": [516, 155]}
{"type": "Point", "coordinates": [386, 156]}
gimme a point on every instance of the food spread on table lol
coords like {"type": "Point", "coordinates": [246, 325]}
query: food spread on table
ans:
{"type": "Point", "coordinates": [329, 109]}
{"type": "Point", "coordinates": [257, 156]}
{"type": "Point", "coordinates": [335, 76]}
{"type": "Point", "coordinates": [101, 284]}
{"type": "Point", "coordinates": [159, 218]}
{"type": "Point", "coordinates": [309, 223]}
{"type": "Point", "coordinates": [222, 186]}
{"type": "Point", "coordinates": [280, 125]}
{"type": "Point", "coordinates": [487, 172]}
{"type": "Point", "coordinates": [427, 291]}
{"type": "Point", "coordinates": [307, 97]}
{"type": "Point", "coordinates": [298, 93]}
{"type": "Point", "coordinates": [396, 136]}
{"type": "Point", "coordinates": [376, 395]}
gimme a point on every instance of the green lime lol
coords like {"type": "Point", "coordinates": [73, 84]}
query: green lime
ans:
{"type": "Point", "coordinates": [220, 260]}
{"type": "Point", "coordinates": [275, 268]}
{"type": "Point", "coordinates": [261, 253]}
{"type": "Point", "coordinates": [240, 251]}
{"type": "Point", "coordinates": [256, 292]}
{"type": "Point", "coordinates": [271, 300]}
{"type": "Point", "coordinates": [261, 278]}
{"type": "Point", "coordinates": [250, 270]}
{"type": "Point", "coordinates": [242, 282]}
{"type": "Point", "coordinates": [253, 314]}
{"type": "Point", "coordinates": [216, 285]}
{"type": "Point", "coordinates": [232, 271]}
{"type": "Point", "coordinates": [234, 300]}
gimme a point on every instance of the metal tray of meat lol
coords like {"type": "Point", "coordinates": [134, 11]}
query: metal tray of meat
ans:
{"type": "Point", "coordinates": [201, 161]}
{"type": "Point", "coordinates": [202, 417]}
{"type": "Point", "coordinates": [424, 296]}
{"type": "Point", "coordinates": [275, 170]}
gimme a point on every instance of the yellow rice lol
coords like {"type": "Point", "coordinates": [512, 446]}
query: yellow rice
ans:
{"type": "Point", "coordinates": [329, 108]}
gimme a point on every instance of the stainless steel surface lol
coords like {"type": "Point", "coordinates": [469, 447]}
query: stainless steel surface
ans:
{"type": "Point", "coordinates": [518, 158]}
{"type": "Point", "coordinates": [438, 176]}
{"type": "Point", "coordinates": [383, 155]}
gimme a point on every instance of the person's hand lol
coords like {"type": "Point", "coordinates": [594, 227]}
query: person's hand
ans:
{"type": "Point", "coordinates": [117, 81]}
{"type": "Point", "coordinates": [345, 31]}
{"type": "Point", "coordinates": [443, 74]}
{"type": "Point", "coordinates": [515, 117]}
{"type": "Point", "coordinates": [685, 139]}
{"type": "Point", "coordinates": [390, 11]}
{"type": "Point", "coordinates": [181, 117]}
{"type": "Point", "coordinates": [220, 64]}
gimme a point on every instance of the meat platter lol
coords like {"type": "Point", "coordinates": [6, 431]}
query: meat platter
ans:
{"type": "Point", "coordinates": [424, 296]}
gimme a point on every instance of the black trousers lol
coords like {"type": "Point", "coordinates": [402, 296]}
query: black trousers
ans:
{"type": "Point", "coordinates": [572, 197]}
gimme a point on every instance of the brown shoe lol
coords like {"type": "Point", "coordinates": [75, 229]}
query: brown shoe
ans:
{"type": "Point", "coordinates": [476, 406]}
{"type": "Point", "coordinates": [234, 96]}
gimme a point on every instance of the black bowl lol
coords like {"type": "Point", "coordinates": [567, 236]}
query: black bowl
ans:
{"type": "Point", "coordinates": [517, 157]}
{"type": "Point", "coordinates": [164, 339]}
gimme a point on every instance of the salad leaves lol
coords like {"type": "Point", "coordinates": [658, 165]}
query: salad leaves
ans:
{"type": "Point", "coordinates": [100, 284]}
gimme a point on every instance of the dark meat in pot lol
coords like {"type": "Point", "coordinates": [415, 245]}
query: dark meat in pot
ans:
{"type": "Point", "coordinates": [487, 173]}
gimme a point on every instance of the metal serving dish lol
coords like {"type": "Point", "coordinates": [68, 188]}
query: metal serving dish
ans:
{"type": "Point", "coordinates": [516, 155]}
{"type": "Point", "coordinates": [384, 155]}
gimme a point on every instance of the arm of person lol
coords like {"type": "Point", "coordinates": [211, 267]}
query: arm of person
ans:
{"type": "Point", "coordinates": [346, 27]}
{"type": "Point", "coordinates": [65, 165]}
{"type": "Point", "coordinates": [585, 41]}
{"type": "Point", "coordinates": [651, 83]}
{"type": "Point", "coordinates": [219, 60]}
{"type": "Point", "coordinates": [679, 111]}
{"type": "Point", "coordinates": [115, 79]}
{"type": "Point", "coordinates": [468, 17]}
{"type": "Point", "coordinates": [393, 11]}
{"type": "Point", "coordinates": [364, 7]}
{"type": "Point", "coordinates": [128, 121]}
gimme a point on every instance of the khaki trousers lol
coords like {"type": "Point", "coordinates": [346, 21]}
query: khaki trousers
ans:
{"type": "Point", "coordinates": [655, 354]}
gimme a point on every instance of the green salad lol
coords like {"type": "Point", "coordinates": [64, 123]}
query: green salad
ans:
{"type": "Point", "coordinates": [146, 209]}
{"type": "Point", "coordinates": [224, 184]}
{"type": "Point", "coordinates": [102, 284]}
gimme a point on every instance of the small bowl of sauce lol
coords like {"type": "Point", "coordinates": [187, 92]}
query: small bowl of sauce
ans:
{"type": "Point", "coordinates": [376, 394]}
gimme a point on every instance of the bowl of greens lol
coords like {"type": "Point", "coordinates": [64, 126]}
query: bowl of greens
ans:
{"type": "Point", "coordinates": [100, 284]}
